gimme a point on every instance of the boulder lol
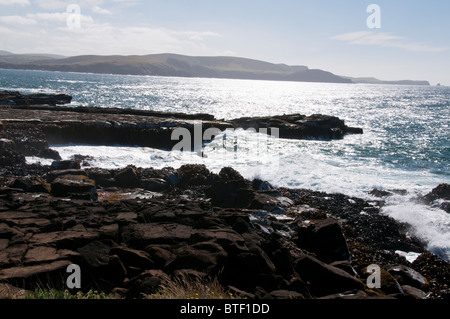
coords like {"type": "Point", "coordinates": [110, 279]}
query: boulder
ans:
{"type": "Point", "coordinates": [32, 185]}
{"type": "Point", "coordinates": [67, 164]}
{"type": "Point", "coordinates": [323, 238]}
{"type": "Point", "coordinates": [388, 284]}
{"type": "Point", "coordinates": [286, 294]}
{"type": "Point", "coordinates": [49, 153]}
{"type": "Point", "coordinates": [52, 175]}
{"type": "Point", "coordinates": [207, 257]}
{"type": "Point", "coordinates": [102, 263]}
{"type": "Point", "coordinates": [228, 194]}
{"type": "Point", "coordinates": [127, 178]}
{"type": "Point", "coordinates": [442, 191]}
{"type": "Point", "coordinates": [194, 175]}
{"type": "Point", "coordinates": [408, 276]}
{"type": "Point", "coordinates": [32, 277]}
{"type": "Point", "coordinates": [154, 184]}
{"type": "Point", "coordinates": [171, 175]}
{"type": "Point", "coordinates": [133, 260]}
{"type": "Point", "coordinates": [413, 292]}
{"type": "Point", "coordinates": [380, 193]}
{"type": "Point", "coordinates": [323, 279]}
{"type": "Point", "coordinates": [102, 177]}
{"type": "Point", "coordinates": [147, 283]}
{"type": "Point", "coordinates": [75, 186]}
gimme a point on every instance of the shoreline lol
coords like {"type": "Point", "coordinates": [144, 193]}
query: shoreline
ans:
{"type": "Point", "coordinates": [131, 227]}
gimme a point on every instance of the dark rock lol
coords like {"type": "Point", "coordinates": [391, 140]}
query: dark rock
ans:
{"type": "Point", "coordinates": [408, 276]}
{"type": "Point", "coordinates": [353, 295]}
{"type": "Point", "coordinates": [67, 239]}
{"type": "Point", "coordinates": [297, 126]}
{"type": "Point", "coordinates": [324, 238]}
{"type": "Point", "coordinates": [32, 185]}
{"type": "Point", "coordinates": [442, 191]}
{"type": "Point", "coordinates": [127, 178]}
{"type": "Point", "coordinates": [229, 173]}
{"type": "Point", "coordinates": [171, 175]}
{"type": "Point", "coordinates": [445, 206]}
{"type": "Point", "coordinates": [154, 184]}
{"type": "Point", "coordinates": [75, 186]}
{"type": "Point", "coordinates": [380, 193]}
{"type": "Point", "coordinates": [160, 254]}
{"type": "Point", "coordinates": [31, 277]}
{"type": "Point", "coordinates": [49, 153]}
{"type": "Point", "coordinates": [388, 284]}
{"type": "Point", "coordinates": [133, 259]}
{"type": "Point", "coordinates": [95, 254]}
{"type": "Point", "coordinates": [228, 193]}
{"type": "Point", "coordinates": [260, 185]}
{"type": "Point", "coordinates": [147, 283]}
{"type": "Point", "coordinates": [345, 266]}
{"type": "Point", "coordinates": [102, 177]}
{"type": "Point", "coordinates": [286, 294]}
{"type": "Point", "coordinates": [142, 235]}
{"type": "Point", "coordinates": [194, 175]}
{"type": "Point", "coordinates": [68, 164]}
{"type": "Point", "coordinates": [324, 279]}
{"type": "Point", "coordinates": [413, 292]}
{"type": "Point", "coordinates": [15, 98]}
{"type": "Point", "coordinates": [52, 175]}
{"type": "Point", "coordinates": [207, 257]}
{"type": "Point", "coordinates": [437, 273]}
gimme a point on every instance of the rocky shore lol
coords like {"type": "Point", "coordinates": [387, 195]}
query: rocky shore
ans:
{"type": "Point", "coordinates": [131, 230]}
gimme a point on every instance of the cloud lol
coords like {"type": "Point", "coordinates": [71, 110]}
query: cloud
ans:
{"type": "Point", "coordinates": [58, 17]}
{"type": "Point", "coordinates": [14, 2]}
{"type": "Point", "coordinates": [99, 10]}
{"type": "Point", "coordinates": [92, 37]}
{"type": "Point", "coordinates": [385, 39]}
{"type": "Point", "coordinates": [17, 20]}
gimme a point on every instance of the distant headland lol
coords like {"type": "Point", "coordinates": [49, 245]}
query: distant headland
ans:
{"type": "Point", "coordinates": [181, 66]}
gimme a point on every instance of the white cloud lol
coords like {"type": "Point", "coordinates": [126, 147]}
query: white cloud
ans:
{"type": "Point", "coordinates": [53, 4]}
{"type": "Point", "coordinates": [14, 2]}
{"type": "Point", "coordinates": [99, 10]}
{"type": "Point", "coordinates": [54, 36]}
{"type": "Point", "coordinates": [58, 17]}
{"type": "Point", "coordinates": [386, 40]}
{"type": "Point", "coordinates": [17, 20]}
{"type": "Point", "coordinates": [63, 4]}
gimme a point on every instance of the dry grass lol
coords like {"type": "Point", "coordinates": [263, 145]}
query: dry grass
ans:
{"type": "Point", "coordinates": [188, 288]}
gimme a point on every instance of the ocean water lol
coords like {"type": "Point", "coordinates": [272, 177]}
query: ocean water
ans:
{"type": "Point", "coordinates": [405, 145]}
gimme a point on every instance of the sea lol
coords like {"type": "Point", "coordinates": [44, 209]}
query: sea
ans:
{"type": "Point", "coordinates": [405, 146]}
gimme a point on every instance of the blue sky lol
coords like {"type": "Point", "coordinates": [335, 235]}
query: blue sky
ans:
{"type": "Point", "coordinates": [412, 43]}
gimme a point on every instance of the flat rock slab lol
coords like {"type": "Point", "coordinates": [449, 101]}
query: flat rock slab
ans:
{"type": "Point", "coordinates": [28, 271]}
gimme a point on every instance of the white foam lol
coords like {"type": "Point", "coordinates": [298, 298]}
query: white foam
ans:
{"type": "Point", "coordinates": [428, 223]}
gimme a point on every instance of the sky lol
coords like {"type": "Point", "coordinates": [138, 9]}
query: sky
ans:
{"type": "Point", "coordinates": [394, 40]}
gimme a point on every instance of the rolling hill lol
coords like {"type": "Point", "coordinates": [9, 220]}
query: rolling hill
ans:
{"type": "Point", "coordinates": [172, 65]}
